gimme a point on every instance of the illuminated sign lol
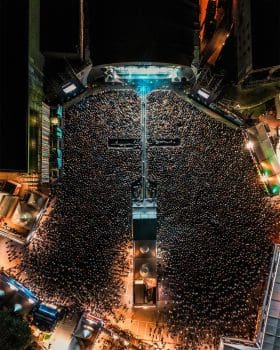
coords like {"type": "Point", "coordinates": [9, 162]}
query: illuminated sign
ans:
{"type": "Point", "coordinates": [203, 93]}
{"type": "Point", "coordinates": [67, 89]}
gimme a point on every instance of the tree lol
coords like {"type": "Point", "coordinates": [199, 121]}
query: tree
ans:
{"type": "Point", "coordinates": [15, 332]}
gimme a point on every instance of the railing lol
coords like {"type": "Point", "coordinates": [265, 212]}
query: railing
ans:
{"type": "Point", "coordinates": [12, 236]}
{"type": "Point", "coordinates": [236, 341]}
{"type": "Point", "coordinates": [268, 294]}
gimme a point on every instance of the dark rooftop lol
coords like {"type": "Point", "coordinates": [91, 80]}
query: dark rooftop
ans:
{"type": "Point", "coordinates": [13, 84]}
{"type": "Point", "coordinates": [153, 31]}
{"type": "Point", "coordinates": [265, 33]}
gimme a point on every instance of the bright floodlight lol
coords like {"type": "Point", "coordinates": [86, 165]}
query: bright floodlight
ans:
{"type": "Point", "coordinates": [69, 88]}
{"type": "Point", "coordinates": [264, 178]}
{"type": "Point", "coordinates": [13, 287]}
{"type": "Point", "coordinates": [203, 93]}
{"type": "Point", "coordinates": [250, 145]}
{"type": "Point", "coordinates": [86, 333]}
{"type": "Point", "coordinates": [17, 307]}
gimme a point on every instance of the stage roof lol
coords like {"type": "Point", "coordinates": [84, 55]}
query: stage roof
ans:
{"type": "Point", "coordinates": [151, 31]}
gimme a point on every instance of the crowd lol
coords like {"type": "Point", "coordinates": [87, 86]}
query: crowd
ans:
{"type": "Point", "coordinates": [214, 225]}
{"type": "Point", "coordinates": [79, 255]}
{"type": "Point", "coordinates": [214, 219]}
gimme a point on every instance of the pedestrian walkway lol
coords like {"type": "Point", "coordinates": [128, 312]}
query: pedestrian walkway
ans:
{"type": "Point", "coordinates": [61, 338]}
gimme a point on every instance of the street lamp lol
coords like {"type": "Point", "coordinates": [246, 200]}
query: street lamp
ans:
{"type": "Point", "coordinates": [250, 145]}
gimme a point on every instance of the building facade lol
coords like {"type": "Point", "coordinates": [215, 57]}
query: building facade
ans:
{"type": "Point", "coordinates": [257, 28]}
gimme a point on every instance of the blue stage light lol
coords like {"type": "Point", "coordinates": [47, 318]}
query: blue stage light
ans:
{"type": "Point", "coordinates": [144, 78]}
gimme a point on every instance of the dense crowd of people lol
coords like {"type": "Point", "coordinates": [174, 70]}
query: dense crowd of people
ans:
{"type": "Point", "coordinates": [79, 255]}
{"type": "Point", "coordinates": [214, 225]}
{"type": "Point", "coordinates": [214, 221]}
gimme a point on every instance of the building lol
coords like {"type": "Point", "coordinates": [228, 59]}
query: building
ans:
{"type": "Point", "coordinates": [20, 210]}
{"type": "Point", "coordinates": [257, 31]}
{"type": "Point", "coordinates": [25, 124]}
{"type": "Point", "coordinates": [14, 101]}
{"type": "Point", "coordinates": [62, 32]}
{"type": "Point", "coordinates": [24, 119]}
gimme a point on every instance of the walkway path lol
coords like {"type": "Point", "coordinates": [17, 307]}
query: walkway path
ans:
{"type": "Point", "coordinates": [144, 142]}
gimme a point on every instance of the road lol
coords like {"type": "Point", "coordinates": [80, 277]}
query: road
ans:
{"type": "Point", "coordinates": [61, 338]}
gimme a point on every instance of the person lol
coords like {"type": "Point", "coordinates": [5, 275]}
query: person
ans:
{"type": "Point", "coordinates": [214, 220]}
